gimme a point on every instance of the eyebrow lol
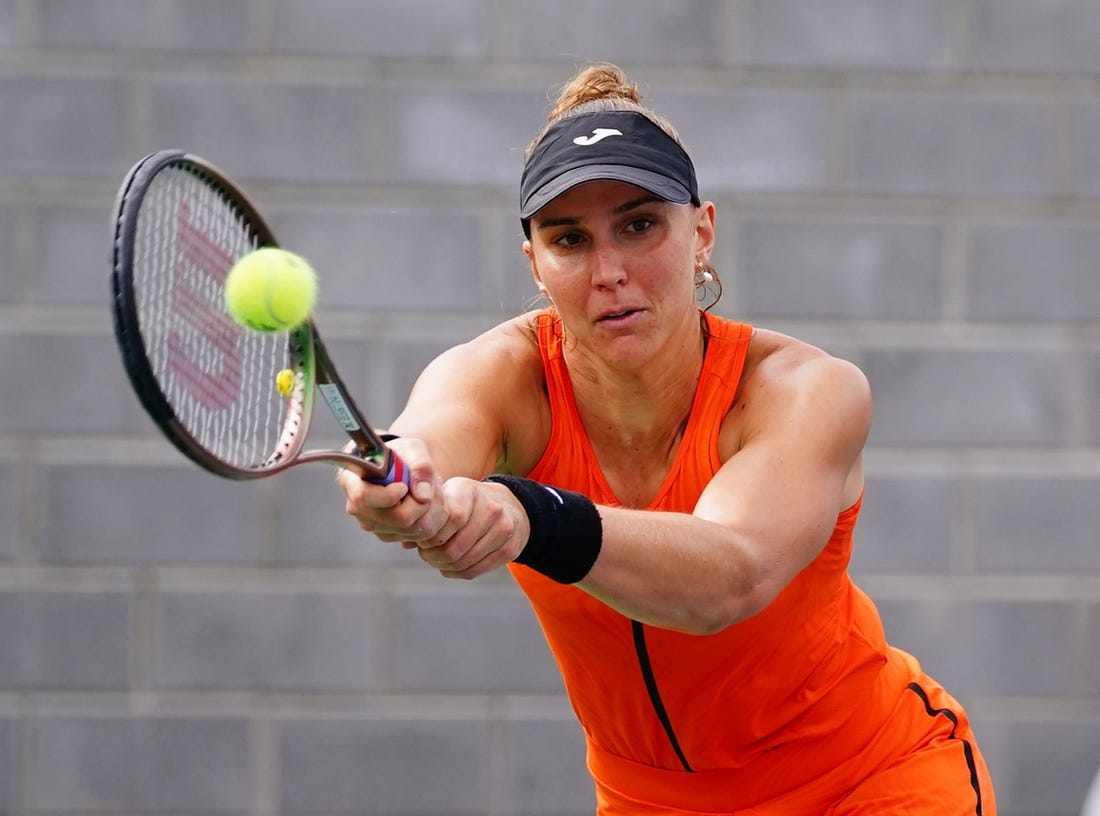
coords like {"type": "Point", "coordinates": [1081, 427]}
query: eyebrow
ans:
{"type": "Point", "coordinates": [622, 208]}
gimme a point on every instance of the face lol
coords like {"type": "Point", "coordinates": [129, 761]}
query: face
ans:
{"type": "Point", "coordinates": [619, 265]}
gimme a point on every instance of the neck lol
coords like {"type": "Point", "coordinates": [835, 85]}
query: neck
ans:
{"type": "Point", "coordinates": [644, 408]}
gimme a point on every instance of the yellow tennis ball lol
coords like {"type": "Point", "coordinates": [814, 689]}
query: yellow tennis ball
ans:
{"type": "Point", "coordinates": [284, 381]}
{"type": "Point", "coordinates": [270, 290]}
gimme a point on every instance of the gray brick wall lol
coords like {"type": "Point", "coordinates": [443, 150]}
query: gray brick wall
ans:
{"type": "Point", "coordinates": [912, 184]}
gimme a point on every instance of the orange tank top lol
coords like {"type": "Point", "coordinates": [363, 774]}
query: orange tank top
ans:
{"type": "Point", "coordinates": [733, 718]}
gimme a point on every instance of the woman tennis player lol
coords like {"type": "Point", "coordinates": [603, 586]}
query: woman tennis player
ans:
{"type": "Point", "coordinates": [676, 494]}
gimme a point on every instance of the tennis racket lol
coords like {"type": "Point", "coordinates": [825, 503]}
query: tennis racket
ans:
{"type": "Point", "coordinates": [237, 402]}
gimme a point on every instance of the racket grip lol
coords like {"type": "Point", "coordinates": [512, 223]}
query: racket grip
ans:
{"type": "Point", "coordinates": [398, 472]}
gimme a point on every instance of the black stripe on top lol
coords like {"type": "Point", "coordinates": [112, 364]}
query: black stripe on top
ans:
{"type": "Point", "coordinates": [654, 694]}
{"type": "Point", "coordinates": [968, 749]}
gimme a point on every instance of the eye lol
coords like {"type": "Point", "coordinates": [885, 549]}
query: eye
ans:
{"type": "Point", "coordinates": [639, 225]}
{"type": "Point", "coordinates": [568, 239]}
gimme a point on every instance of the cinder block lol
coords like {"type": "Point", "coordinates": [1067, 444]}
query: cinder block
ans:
{"type": "Point", "coordinates": [68, 383]}
{"type": "Point", "coordinates": [1091, 382]}
{"type": "Point", "coordinates": [915, 143]}
{"type": "Point", "coordinates": [466, 642]}
{"type": "Point", "coordinates": [147, 515]}
{"type": "Point", "coordinates": [905, 524]}
{"type": "Point", "coordinates": [73, 248]}
{"type": "Point", "coordinates": [666, 31]}
{"type": "Point", "coordinates": [141, 764]}
{"type": "Point", "coordinates": [1084, 150]}
{"type": "Point", "coordinates": [7, 27]}
{"type": "Point", "coordinates": [545, 768]}
{"type": "Point", "coordinates": [377, 260]}
{"type": "Point", "coordinates": [1092, 652]}
{"type": "Point", "coordinates": [10, 776]}
{"type": "Point", "coordinates": [72, 128]}
{"type": "Point", "coordinates": [1005, 281]}
{"type": "Point", "coordinates": [12, 531]}
{"type": "Point", "coordinates": [749, 139]}
{"type": "Point", "coordinates": [166, 25]}
{"type": "Point", "coordinates": [65, 640]}
{"type": "Point", "coordinates": [457, 30]}
{"type": "Point", "coordinates": [987, 647]}
{"type": "Point", "coordinates": [966, 397]}
{"type": "Point", "coordinates": [308, 131]}
{"type": "Point", "coordinates": [1019, 35]}
{"type": "Point", "coordinates": [299, 641]}
{"type": "Point", "coordinates": [1040, 767]}
{"type": "Point", "coordinates": [1037, 523]}
{"type": "Point", "coordinates": [11, 283]}
{"type": "Point", "coordinates": [383, 765]}
{"type": "Point", "coordinates": [906, 35]}
{"type": "Point", "coordinates": [833, 269]}
{"type": "Point", "coordinates": [452, 136]}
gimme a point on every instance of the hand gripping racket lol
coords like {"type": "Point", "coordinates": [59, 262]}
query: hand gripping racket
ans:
{"type": "Point", "coordinates": [208, 383]}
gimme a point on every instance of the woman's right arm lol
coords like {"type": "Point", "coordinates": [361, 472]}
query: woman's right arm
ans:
{"type": "Point", "coordinates": [477, 408]}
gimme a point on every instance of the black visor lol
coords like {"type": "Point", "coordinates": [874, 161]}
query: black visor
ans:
{"type": "Point", "coordinates": [615, 145]}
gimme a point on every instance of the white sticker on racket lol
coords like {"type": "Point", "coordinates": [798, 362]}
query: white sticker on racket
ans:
{"type": "Point", "coordinates": [340, 409]}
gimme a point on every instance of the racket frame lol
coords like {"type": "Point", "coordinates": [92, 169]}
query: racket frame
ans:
{"type": "Point", "coordinates": [314, 370]}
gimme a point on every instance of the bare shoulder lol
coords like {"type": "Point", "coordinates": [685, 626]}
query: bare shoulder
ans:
{"type": "Point", "coordinates": [787, 378]}
{"type": "Point", "coordinates": [498, 356]}
{"type": "Point", "coordinates": [493, 382]}
{"type": "Point", "coordinates": [779, 360]}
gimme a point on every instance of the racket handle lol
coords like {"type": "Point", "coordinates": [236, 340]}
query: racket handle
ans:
{"type": "Point", "coordinates": [397, 471]}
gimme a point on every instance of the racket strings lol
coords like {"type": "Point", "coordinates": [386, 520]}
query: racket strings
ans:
{"type": "Point", "coordinates": [218, 377]}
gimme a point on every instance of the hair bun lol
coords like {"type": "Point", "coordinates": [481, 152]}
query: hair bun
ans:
{"type": "Point", "coordinates": [598, 81]}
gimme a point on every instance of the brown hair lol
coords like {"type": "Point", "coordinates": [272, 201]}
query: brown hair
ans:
{"type": "Point", "coordinates": [601, 86]}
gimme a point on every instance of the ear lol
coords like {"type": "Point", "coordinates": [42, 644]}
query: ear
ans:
{"type": "Point", "coordinates": [704, 231]}
{"type": "Point", "coordinates": [534, 268]}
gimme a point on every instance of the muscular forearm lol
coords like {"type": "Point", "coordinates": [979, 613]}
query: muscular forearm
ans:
{"type": "Point", "coordinates": [674, 570]}
{"type": "Point", "coordinates": [669, 569]}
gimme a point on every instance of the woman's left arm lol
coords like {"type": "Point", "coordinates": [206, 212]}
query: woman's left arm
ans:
{"type": "Point", "coordinates": [766, 514]}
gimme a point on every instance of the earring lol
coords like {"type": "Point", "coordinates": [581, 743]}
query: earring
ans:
{"type": "Point", "coordinates": [703, 274]}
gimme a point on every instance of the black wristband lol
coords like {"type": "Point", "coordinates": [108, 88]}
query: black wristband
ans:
{"type": "Point", "coordinates": [566, 529]}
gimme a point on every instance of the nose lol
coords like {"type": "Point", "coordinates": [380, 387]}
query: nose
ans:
{"type": "Point", "coordinates": [608, 268]}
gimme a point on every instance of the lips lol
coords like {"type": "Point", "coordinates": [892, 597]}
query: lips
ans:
{"type": "Point", "coordinates": [616, 315]}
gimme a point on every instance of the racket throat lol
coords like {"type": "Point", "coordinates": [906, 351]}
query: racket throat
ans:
{"type": "Point", "coordinates": [339, 407]}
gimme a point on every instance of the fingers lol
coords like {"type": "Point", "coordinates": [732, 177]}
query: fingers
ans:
{"type": "Point", "coordinates": [463, 528]}
{"type": "Point", "coordinates": [479, 536]}
{"type": "Point", "coordinates": [422, 477]}
{"type": "Point", "coordinates": [397, 516]}
{"type": "Point", "coordinates": [396, 512]}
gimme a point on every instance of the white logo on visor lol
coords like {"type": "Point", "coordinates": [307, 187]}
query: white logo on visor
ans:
{"type": "Point", "coordinates": [597, 135]}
